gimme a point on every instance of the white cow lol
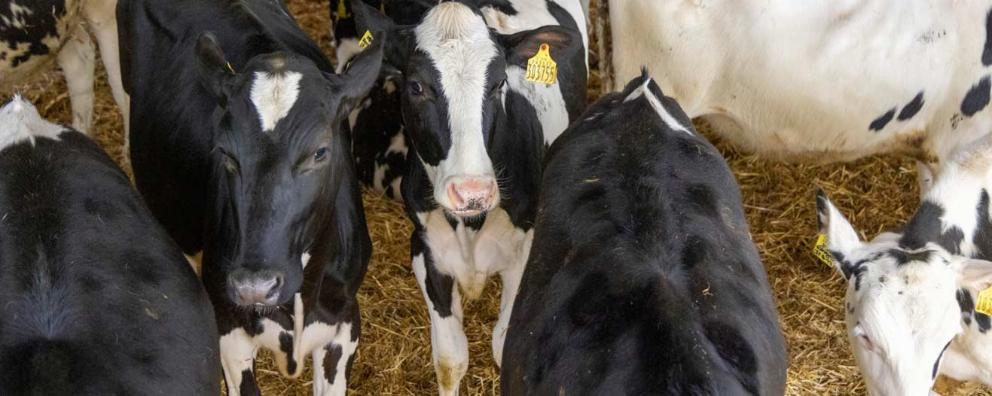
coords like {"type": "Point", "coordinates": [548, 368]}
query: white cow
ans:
{"type": "Point", "coordinates": [911, 296]}
{"type": "Point", "coordinates": [825, 80]}
{"type": "Point", "coordinates": [33, 33]}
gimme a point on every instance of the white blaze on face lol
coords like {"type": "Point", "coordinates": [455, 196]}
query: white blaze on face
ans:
{"type": "Point", "coordinates": [21, 122]}
{"type": "Point", "coordinates": [645, 91]}
{"type": "Point", "coordinates": [274, 95]}
{"type": "Point", "coordinates": [305, 259]}
{"type": "Point", "coordinates": [458, 42]}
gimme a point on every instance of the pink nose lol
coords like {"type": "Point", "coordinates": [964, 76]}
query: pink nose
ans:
{"type": "Point", "coordinates": [472, 194]}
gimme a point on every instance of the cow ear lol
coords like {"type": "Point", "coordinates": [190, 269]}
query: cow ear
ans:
{"type": "Point", "coordinates": [214, 70]}
{"type": "Point", "coordinates": [399, 45]}
{"type": "Point", "coordinates": [841, 237]}
{"type": "Point", "coordinates": [521, 46]}
{"type": "Point", "coordinates": [976, 274]}
{"type": "Point", "coordinates": [359, 77]}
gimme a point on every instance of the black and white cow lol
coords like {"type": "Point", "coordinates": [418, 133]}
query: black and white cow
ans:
{"type": "Point", "coordinates": [474, 166]}
{"type": "Point", "coordinates": [380, 144]}
{"type": "Point", "coordinates": [911, 295]}
{"type": "Point", "coordinates": [642, 277]}
{"type": "Point", "coordinates": [33, 33]}
{"type": "Point", "coordinates": [237, 150]}
{"type": "Point", "coordinates": [827, 80]}
{"type": "Point", "coordinates": [97, 298]}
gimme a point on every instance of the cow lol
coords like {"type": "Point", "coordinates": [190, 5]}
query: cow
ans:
{"type": "Point", "coordinates": [381, 144]}
{"type": "Point", "coordinates": [474, 165]}
{"type": "Point", "coordinates": [36, 32]}
{"type": "Point", "coordinates": [642, 277]}
{"type": "Point", "coordinates": [912, 295]}
{"type": "Point", "coordinates": [237, 149]}
{"type": "Point", "coordinates": [822, 81]}
{"type": "Point", "coordinates": [97, 298]}
{"type": "Point", "coordinates": [344, 33]}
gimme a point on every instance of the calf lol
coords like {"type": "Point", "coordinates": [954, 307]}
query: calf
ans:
{"type": "Point", "coordinates": [381, 144]}
{"type": "Point", "coordinates": [97, 298]}
{"type": "Point", "coordinates": [831, 80]}
{"type": "Point", "coordinates": [237, 150]}
{"type": "Point", "coordinates": [911, 295]}
{"type": "Point", "coordinates": [33, 33]}
{"type": "Point", "coordinates": [642, 277]}
{"type": "Point", "coordinates": [475, 158]}
{"type": "Point", "coordinates": [344, 33]}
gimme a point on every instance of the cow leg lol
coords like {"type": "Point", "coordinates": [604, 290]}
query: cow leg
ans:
{"type": "Point", "coordinates": [332, 362]}
{"type": "Point", "coordinates": [78, 63]}
{"type": "Point", "coordinates": [101, 15]}
{"type": "Point", "coordinates": [237, 356]}
{"type": "Point", "coordinates": [449, 346]}
{"type": "Point", "coordinates": [511, 284]}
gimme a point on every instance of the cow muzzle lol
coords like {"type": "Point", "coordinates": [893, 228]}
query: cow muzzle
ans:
{"type": "Point", "coordinates": [255, 288]}
{"type": "Point", "coordinates": [471, 196]}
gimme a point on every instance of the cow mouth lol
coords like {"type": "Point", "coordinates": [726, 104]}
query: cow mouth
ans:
{"type": "Point", "coordinates": [467, 213]}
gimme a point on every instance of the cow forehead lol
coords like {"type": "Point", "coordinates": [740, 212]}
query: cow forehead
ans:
{"type": "Point", "coordinates": [458, 43]}
{"type": "Point", "coordinates": [274, 94]}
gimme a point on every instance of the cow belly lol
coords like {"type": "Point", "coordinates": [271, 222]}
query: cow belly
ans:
{"type": "Point", "coordinates": [472, 256]}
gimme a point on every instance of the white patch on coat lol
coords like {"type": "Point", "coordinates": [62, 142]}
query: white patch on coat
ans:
{"type": "Point", "coordinates": [458, 42]}
{"type": "Point", "coordinates": [645, 92]}
{"type": "Point", "coordinates": [397, 145]}
{"type": "Point", "coordinates": [548, 102]}
{"type": "Point", "coordinates": [305, 259]}
{"type": "Point", "coordinates": [20, 121]}
{"type": "Point", "coordinates": [237, 354]}
{"type": "Point", "coordinates": [274, 95]}
{"type": "Point", "coordinates": [318, 336]}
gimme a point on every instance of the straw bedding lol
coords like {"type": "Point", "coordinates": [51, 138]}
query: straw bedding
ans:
{"type": "Point", "coordinates": [394, 354]}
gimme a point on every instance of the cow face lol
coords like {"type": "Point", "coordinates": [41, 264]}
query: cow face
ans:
{"type": "Point", "coordinates": [453, 90]}
{"type": "Point", "coordinates": [902, 305]}
{"type": "Point", "coordinates": [279, 158]}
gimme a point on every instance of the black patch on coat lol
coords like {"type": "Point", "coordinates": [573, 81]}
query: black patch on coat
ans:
{"type": "Point", "coordinates": [977, 97]}
{"type": "Point", "coordinates": [40, 22]}
{"type": "Point", "coordinates": [882, 120]}
{"type": "Point", "coordinates": [248, 385]}
{"type": "Point", "coordinates": [967, 305]}
{"type": "Point", "coordinates": [439, 286]}
{"type": "Point", "coordinates": [983, 232]}
{"type": "Point", "coordinates": [903, 257]}
{"type": "Point", "coordinates": [286, 345]}
{"type": "Point", "coordinates": [912, 107]}
{"type": "Point", "coordinates": [331, 358]}
{"type": "Point", "coordinates": [925, 226]}
{"type": "Point", "coordinates": [987, 51]}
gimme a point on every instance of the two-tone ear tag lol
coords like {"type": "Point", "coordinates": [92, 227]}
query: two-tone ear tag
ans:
{"type": "Point", "coordinates": [984, 304]}
{"type": "Point", "coordinates": [541, 68]}
{"type": "Point", "coordinates": [820, 250]}
{"type": "Point", "coordinates": [366, 40]}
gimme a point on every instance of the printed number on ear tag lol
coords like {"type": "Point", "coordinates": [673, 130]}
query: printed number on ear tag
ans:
{"type": "Point", "coordinates": [984, 302]}
{"type": "Point", "coordinates": [820, 250]}
{"type": "Point", "coordinates": [541, 68]}
{"type": "Point", "coordinates": [366, 40]}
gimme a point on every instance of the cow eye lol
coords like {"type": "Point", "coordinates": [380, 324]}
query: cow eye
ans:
{"type": "Point", "coordinates": [320, 155]}
{"type": "Point", "coordinates": [415, 88]}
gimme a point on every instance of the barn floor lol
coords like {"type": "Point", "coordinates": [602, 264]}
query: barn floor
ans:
{"type": "Point", "coordinates": [394, 354]}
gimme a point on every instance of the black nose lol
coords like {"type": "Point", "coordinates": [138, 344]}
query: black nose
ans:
{"type": "Point", "coordinates": [255, 287]}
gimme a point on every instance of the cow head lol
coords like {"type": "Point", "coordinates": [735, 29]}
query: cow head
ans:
{"type": "Point", "coordinates": [453, 70]}
{"type": "Point", "coordinates": [902, 304]}
{"type": "Point", "coordinates": [278, 161]}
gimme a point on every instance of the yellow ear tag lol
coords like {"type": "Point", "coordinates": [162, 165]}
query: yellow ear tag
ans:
{"type": "Point", "coordinates": [984, 302]}
{"type": "Point", "coordinates": [541, 68]}
{"type": "Point", "coordinates": [366, 40]}
{"type": "Point", "coordinates": [342, 10]}
{"type": "Point", "coordinates": [820, 250]}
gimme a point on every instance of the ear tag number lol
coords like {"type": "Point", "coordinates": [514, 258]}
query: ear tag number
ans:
{"type": "Point", "coordinates": [820, 250]}
{"type": "Point", "coordinates": [984, 302]}
{"type": "Point", "coordinates": [366, 40]}
{"type": "Point", "coordinates": [541, 68]}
